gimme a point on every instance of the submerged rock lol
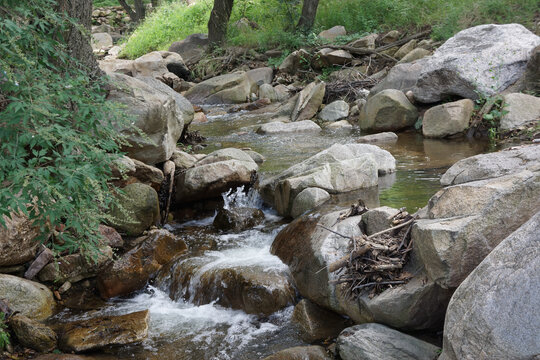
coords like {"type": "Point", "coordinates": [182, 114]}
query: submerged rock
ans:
{"type": "Point", "coordinates": [380, 137]}
{"type": "Point", "coordinates": [484, 59]}
{"type": "Point", "coordinates": [238, 219]}
{"type": "Point", "coordinates": [279, 127]}
{"type": "Point", "coordinates": [103, 331]}
{"type": "Point", "coordinates": [301, 353]}
{"type": "Point", "coordinates": [493, 313]}
{"type": "Point", "coordinates": [29, 298]}
{"type": "Point", "coordinates": [254, 288]}
{"type": "Point", "coordinates": [375, 342]}
{"type": "Point", "coordinates": [132, 271]}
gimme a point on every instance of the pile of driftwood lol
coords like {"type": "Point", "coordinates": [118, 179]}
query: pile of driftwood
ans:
{"type": "Point", "coordinates": [376, 262]}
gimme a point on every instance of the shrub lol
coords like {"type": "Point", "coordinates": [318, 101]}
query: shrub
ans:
{"type": "Point", "coordinates": [57, 139]}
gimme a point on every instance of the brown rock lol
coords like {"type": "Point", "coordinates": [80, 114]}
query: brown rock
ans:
{"type": "Point", "coordinates": [33, 334]}
{"type": "Point", "coordinates": [17, 240]}
{"type": "Point", "coordinates": [317, 323]}
{"type": "Point", "coordinates": [111, 236]}
{"type": "Point", "coordinates": [133, 269]}
{"type": "Point", "coordinates": [238, 219]}
{"type": "Point", "coordinates": [103, 331]}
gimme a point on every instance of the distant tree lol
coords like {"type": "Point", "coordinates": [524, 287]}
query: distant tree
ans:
{"type": "Point", "coordinates": [309, 11]}
{"type": "Point", "coordinates": [219, 18]}
{"type": "Point", "coordinates": [137, 13]}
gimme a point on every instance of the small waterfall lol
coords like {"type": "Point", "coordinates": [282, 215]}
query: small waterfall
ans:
{"type": "Point", "coordinates": [242, 198]}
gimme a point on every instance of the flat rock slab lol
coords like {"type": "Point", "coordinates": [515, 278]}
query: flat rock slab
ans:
{"type": "Point", "coordinates": [380, 137]}
{"type": "Point", "coordinates": [279, 127]}
{"type": "Point", "coordinates": [103, 331]}
{"type": "Point", "coordinates": [376, 342]}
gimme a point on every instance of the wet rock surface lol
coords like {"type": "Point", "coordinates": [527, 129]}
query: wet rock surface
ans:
{"type": "Point", "coordinates": [375, 341]}
{"type": "Point", "coordinates": [238, 219]}
{"type": "Point", "coordinates": [317, 323]}
{"type": "Point", "coordinates": [103, 331]}
{"type": "Point", "coordinates": [33, 334]}
{"type": "Point", "coordinates": [132, 271]}
{"type": "Point", "coordinates": [301, 353]}
{"type": "Point", "coordinates": [30, 298]}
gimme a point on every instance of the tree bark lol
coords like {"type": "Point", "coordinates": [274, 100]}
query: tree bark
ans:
{"type": "Point", "coordinates": [309, 11]}
{"type": "Point", "coordinates": [79, 42]}
{"type": "Point", "coordinates": [135, 15]}
{"type": "Point", "coordinates": [219, 19]}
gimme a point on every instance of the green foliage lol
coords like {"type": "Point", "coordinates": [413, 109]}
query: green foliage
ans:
{"type": "Point", "coordinates": [491, 120]}
{"type": "Point", "coordinates": [276, 20]}
{"type": "Point", "coordinates": [57, 138]}
{"type": "Point", "coordinates": [4, 335]}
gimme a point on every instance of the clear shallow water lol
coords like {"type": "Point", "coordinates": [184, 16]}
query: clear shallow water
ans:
{"type": "Point", "coordinates": [179, 329]}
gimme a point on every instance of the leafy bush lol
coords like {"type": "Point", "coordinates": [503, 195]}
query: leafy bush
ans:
{"type": "Point", "coordinates": [57, 139]}
{"type": "Point", "coordinates": [4, 335]}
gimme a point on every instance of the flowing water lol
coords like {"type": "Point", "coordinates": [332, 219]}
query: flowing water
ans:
{"type": "Point", "coordinates": [186, 318]}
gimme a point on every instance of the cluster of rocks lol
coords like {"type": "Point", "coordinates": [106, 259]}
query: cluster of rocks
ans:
{"type": "Point", "coordinates": [475, 251]}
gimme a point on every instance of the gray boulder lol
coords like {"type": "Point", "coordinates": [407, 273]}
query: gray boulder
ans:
{"type": "Point", "coordinates": [447, 119]}
{"type": "Point", "coordinates": [267, 91]}
{"type": "Point", "coordinates": [158, 111]}
{"type": "Point", "coordinates": [380, 137]}
{"type": "Point", "coordinates": [333, 33]}
{"type": "Point", "coordinates": [466, 222]}
{"type": "Point", "coordinates": [138, 209]}
{"type": "Point", "coordinates": [338, 169]}
{"type": "Point", "coordinates": [308, 250]}
{"type": "Point", "coordinates": [232, 88]}
{"type": "Point", "coordinates": [334, 111]}
{"type": "Point", "coordinates": [292, 62]}
{"type": "Point", "coordinates": [405, 49]}
{"type": "Point", "coordinates": [192, 48]}
{"type": "Point", "coordinates": [493, 313]}
{"type": "Point", "coordinates": [218, 172]}
{"type": "Point", "coordinates": [308, 199]}
{"type": "Point", "coordinates": [378, 219]}
{"type": "Point", "coordinates": [29, 298]}
{"type": "Point", "coordinates": [316, 323]}
{"type": "Point", "coordinates": [308, 102]}
{"type": "Point", "coordinates": [521, 109]}
{"type": "Point", "coordinates": [279, 127]}
{"type": "Point", "coordinates": [388, 110]}
{"type": "Point", "coordinates": [414, 55]}
{"type": "Point", "coordinates": [101, 41]}
{"type": "Point", "coordinates": [483, 59]}
{"type": "Point", "coordinates": [486, 166]}
{"type": "Point", "coordinates": [367, 42]}
{"type": "Point", "coordinates": [375, 342]}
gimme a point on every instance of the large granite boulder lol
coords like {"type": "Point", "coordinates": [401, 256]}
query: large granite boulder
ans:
{"type": "Point", "coordinates": [307, 200]}
{"type": "Point", "coordinates": [338, 169]}
{"type": "Point", "coordinates": [389, 110]}
{"type": "Point", "coordinates": [132, 271]}
{"type": "Point", "coordinates": [334, 111]}
{"type": "Point", "coordinates": [17, 240]}
{"type": "Point", "coordinates": [494, 313]}
{"type": "Point", "coordinates": [520, 109]}
{"type": "Point", "coordinates": [466, 222]}
{"type": "Point", "coordinates": [218, 172]}
{"type": "Point", "coordinates": [99, 332]}
{"type": "Point", "coordinates": [375, 342]}
{"type": "Point", "coordinates": [447, 119]}
{"type": "Point", "coordinates": [137, 210]}
{"type": "Point", "coordinates": [308, 250]}
{"type": "Point", "coordinates": [308, 101]}
{"type": "Point", "coordinates": [316, 323]}
{"type": "Point", "coordinates": [29, 298]}
{"type": "Point", "coordinates": [484, 59]}
{"type": "Point", "coordinates": [157, 110]}
{"type": "Point", "coordinates": [192, 48]}
{"type": "Point", "coordinates": [486, 166]}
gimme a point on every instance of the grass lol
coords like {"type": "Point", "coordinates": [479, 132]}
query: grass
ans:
{"type": "Point", "coordinates": [174, 21]}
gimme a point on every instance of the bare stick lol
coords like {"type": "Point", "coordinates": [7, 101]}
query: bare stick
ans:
{"type": "Point", "coordinates": [391, 229]}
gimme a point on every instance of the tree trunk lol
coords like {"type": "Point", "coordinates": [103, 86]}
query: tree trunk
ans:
{"type": "Point", "coordinates": [309, 11]}
{"type": "Point", "coordinates": [219, 19]}
{"type": "Point", "coordinates": [79, 43]}
{"type": "Point", "coordinates": [135, 15]}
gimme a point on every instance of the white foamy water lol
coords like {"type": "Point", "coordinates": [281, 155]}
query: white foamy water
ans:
{"type": "Point", "coordinates": [240, 198]}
